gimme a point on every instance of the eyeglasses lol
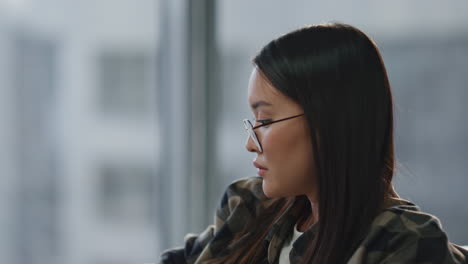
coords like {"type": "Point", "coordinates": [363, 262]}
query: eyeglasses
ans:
{"type": "Point", "coordinates": [250, 128]}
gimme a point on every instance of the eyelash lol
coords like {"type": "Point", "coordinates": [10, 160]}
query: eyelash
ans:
{"type": "Point", "coordinates": [264, 121]}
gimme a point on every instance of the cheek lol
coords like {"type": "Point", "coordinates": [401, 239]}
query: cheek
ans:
{"type": "Point", "coordinates": [276, 143]}
{"type": "Point", "coordinates": [285, 140]}
{"type": "Point", "coordinates": [288, 152]}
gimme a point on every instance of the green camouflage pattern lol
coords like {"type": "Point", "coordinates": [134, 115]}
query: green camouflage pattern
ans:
{"type": "Point", "coordinates": [401, 233]}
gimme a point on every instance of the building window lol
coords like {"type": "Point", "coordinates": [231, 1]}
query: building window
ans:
{"type": "Point", "coordinates": [125, 194]}
{"type": "Point", "coordinates": [125, 84]}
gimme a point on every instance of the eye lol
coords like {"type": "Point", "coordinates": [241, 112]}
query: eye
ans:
{"type": "Point", "coordinates": [264, 122]}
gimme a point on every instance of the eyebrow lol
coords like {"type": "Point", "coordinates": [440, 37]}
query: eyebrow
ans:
{"type": "Point", "coordinates": [259, 104]}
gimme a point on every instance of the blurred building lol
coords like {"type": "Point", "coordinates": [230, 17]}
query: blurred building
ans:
{"type": "Point", "coordinates": [79, 131]}
{"type": "Point", "coordinates": [94, 133]}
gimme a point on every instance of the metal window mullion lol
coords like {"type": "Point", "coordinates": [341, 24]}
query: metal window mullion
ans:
{"type": "Point", "coordinates": [173, 106]}
{"type": "Point", "coordinates": [201, 81]}
{"type": "Point", "coordinates": [185, 80]}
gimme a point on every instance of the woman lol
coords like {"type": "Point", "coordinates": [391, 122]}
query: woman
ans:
{"type": "Point", "coordinates": [323, 139]}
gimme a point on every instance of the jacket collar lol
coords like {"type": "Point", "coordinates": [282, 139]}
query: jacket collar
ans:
{"type": "Point", "coordinates": [281, 230]}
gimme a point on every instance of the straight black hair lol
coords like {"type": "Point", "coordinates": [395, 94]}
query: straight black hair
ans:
{"type": "Point", "coordinates": [336, 74]}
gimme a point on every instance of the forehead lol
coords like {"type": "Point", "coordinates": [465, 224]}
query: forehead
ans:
{"type": "Point", "coordinates": [260, 89]}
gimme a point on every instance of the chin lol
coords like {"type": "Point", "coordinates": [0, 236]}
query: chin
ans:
{"type": "Point", "coordinates": [268, 190]}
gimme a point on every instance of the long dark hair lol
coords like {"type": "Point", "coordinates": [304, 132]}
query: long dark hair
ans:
{"type": "Point", "coordinates": [336, 74]}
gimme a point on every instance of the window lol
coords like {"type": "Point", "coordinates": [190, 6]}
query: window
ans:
{"type": "Point", "coordinates": [125, 194]}
{"type": "Point", "coordinates": [125, 83]}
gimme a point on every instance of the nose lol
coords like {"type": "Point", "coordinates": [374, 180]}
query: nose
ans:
{"type": "Point", "coordinates": [250, 145]}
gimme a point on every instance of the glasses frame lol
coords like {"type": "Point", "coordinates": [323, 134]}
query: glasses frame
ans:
{"type": "Point", "coordinates": [250, 128]}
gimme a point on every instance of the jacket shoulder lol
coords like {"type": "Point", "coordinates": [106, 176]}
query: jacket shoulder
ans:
{"type": "Point", "coordinates": [239, 204]}
{"type": "Point", "coordinates": [404, 234]}
{"type": "Point", "coordinates": [242, 200]}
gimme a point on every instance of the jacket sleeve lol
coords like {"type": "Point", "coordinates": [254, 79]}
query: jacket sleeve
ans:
{"type": "Point", "coordinates": [231, 216]}
{"type": "Point", "coordinates": [193, 245]}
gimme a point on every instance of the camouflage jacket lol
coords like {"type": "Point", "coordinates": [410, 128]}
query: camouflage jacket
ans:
{"type": "Point", "coordinates": [401, 233]}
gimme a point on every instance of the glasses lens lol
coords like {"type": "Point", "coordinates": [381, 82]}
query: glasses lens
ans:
{"type": "Point", "coordinates": [249, 127]}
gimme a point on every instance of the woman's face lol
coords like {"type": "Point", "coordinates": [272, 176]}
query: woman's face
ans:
{"type": "Point", "coordinates": [287, 150]}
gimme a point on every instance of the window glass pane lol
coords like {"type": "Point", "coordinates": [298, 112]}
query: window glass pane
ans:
{"type": "Point", "coordinates": [426, 54]}
{"type": "Point", "coordinates": [124, 87]}
{"type": "Point", "coordinates": [125, 193]}
{"type": "Point", "coordinates": [79, 131]}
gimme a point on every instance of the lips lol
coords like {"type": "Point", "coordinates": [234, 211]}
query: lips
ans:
{"type": "Point", "coordinates": [258, 166]}
{"type": "Point", "coordinates": [261, 170]}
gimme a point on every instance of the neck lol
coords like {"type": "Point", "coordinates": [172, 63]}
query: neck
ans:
{"type": "Point", "coordinates": [309, 219]}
